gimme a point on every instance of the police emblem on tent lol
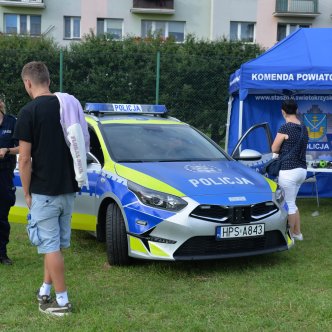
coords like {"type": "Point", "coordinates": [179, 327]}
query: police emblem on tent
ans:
{"type": "Point", "coordinates": [316, 124]}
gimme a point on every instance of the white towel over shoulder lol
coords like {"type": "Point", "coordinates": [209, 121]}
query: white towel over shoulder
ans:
{"type": "Point", "coordinates": [76, 134]}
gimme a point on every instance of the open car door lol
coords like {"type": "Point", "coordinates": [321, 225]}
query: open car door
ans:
{"type": "Point", "coordinates": [254, 147]}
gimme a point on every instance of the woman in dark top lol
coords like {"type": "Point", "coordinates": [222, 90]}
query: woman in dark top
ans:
{"type": "Point", "coordinates": [292, 137]}
{"type": "Point", "coordinates": [8, 150]}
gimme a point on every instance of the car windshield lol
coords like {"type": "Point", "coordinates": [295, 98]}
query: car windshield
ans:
{"type": "Point", "coordinates": [158, 142]}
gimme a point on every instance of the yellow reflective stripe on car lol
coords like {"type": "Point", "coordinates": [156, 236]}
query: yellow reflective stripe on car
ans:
{"type": "Point", "coordinates": [156, 251]}
{"type": "Point", "coordinates": [135, 121]}
{"type": "Point", "coordinates": [273, 185]}
{"type": "Point", "coordinates": [289, 241]}
{"type": "Point", "coordinates": [137, 245]}
{"type": "Point", "coordinates": [18, 214]}
{"type": "Point", "coordinates": [146, 181]}
{"type": "Point", "coordinates": [109, 167]}
{"type": "Point", "coordinates": [84, 222]}
{"type": "Point", "coordinates": [80, 221]}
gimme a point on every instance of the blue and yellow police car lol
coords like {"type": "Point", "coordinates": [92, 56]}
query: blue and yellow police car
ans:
{"type": "Point", "coordinates": [159, 189]}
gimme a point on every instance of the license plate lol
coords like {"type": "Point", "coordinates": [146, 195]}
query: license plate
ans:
{"type": "Point", "coordinates": [236, 231]}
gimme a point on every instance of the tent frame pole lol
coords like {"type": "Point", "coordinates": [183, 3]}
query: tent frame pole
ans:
{"type": "Point", "coordinates": [240, 118]}
{"type": "Point", "coordinates": [229, 111]}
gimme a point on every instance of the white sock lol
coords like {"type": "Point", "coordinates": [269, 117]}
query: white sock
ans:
{"type": "Point", "coordinates": [45, 289]}
{"type": "Point", "coordinates": [62, 298]}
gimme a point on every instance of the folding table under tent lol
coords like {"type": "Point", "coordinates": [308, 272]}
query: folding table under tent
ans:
{"type": "Point", "coordinates": [299, 66]}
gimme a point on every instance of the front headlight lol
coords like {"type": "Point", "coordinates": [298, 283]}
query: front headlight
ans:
{"type": "Point", "coordinates": [157, 199]}
{"type": "Point", "coordinates": [279, 195]}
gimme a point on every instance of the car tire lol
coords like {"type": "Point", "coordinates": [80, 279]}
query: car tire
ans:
{"type": "Point", "coordinates": [116, 236]}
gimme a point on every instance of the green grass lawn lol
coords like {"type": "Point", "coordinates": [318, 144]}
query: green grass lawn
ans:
{"type": "Point", "coordinates": [288, 291]}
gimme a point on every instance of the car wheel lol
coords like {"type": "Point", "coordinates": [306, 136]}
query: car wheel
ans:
{"type": "Point", "coordinates": [116, 236]}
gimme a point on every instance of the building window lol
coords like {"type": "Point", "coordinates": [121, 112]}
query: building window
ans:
{"type": "Point", "coordinates": [35, 25]}
{"type": "Point", "coordinates": [164, 29]}
{"type": "Point", "coordinates": [242, 31]}
{"type": "Point", "coordinates": [72, 27]}
{"type": "Point", "coordinates": [23, 24]}
{"type": "Point", "coordinates": [110, 27]}
{"type": "Point", "coordinates": [285, 29]}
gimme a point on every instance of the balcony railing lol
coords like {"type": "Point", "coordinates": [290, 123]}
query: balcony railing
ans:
{"type": "Point", "coordinates": [296, 8]}
{"type": "Point", "coordinates": [23, 3]}
{"type": "Point", "coordinates": [153, 6]}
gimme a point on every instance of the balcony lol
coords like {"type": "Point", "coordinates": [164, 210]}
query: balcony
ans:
{"type": "Point", "coordinates": [23, 3]}
{"type": "Point", "coordinates": [165, 7]}
{"type": "Point", "coordinates": [297, 8]}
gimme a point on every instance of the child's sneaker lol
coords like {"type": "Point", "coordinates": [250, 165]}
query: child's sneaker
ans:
{"type": "Point", "coordinates": [43, 298]}
{"type": "Point", "coordinates": [52, 308]}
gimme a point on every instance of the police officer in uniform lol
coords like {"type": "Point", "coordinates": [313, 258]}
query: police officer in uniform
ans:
{"type": "Point", "coordinates": [8, 150]}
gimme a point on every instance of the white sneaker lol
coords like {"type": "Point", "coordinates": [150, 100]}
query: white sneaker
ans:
{"type": "Point", "coordinates": [298, 237]}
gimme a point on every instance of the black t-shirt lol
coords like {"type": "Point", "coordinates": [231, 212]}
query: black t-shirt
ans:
{"type": "Point", "coordinates": [297, 157]}
{"type": "Point", "coordinates": [38, 123]}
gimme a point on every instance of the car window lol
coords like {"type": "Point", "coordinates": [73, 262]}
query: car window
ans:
{"type": "Point", "coordinates": [257, 137]}
{"type": "Point", "coordinates": [95, 147]}
{"type": "Point", "coordinates": [158, 142]}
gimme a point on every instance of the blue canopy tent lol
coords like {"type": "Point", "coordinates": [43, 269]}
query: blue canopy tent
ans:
{"type": "Point", "coordinates": [300, 66]}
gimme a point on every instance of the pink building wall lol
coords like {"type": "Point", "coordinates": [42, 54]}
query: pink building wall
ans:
{"type": "Point", "coordinates": [266, 26]}
{"type": "Point", "coordinates": [94, 8]}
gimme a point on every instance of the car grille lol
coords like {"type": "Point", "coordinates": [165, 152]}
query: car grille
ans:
{"type": "Point", "coordinates": [205, 246]}
{"type": "Point", "coordinates": [235, 214]}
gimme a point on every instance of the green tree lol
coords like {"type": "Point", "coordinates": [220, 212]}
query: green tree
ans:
{"type": "Point", "coordinates": [194, 75]}
{"type": "Point", "coordinates": [15, 52]}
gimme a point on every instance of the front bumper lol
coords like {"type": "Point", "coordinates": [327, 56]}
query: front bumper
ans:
{"type": "Point", "coordinates": [184, 237]}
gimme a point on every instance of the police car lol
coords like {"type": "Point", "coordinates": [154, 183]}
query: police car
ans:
{"type": "Point", "coordinates": [161, 190]}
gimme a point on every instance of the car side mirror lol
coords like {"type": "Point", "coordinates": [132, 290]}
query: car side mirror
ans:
{"type": "Point", "coordinates": [249, 154]}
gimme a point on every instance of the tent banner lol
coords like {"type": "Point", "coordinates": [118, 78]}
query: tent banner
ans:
{"type": "Point", "coordinates": [308, 78]}
{"type": "Point", "coordinates": [316, 114]}
{"type": "Point", "coordinates": [315, 111]}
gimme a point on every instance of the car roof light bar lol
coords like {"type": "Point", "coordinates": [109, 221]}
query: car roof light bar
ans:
{"type": "Point", "coordinates": [124, 108]}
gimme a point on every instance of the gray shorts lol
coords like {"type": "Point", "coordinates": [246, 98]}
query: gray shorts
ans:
{"type": "Point", "coordinates": [49, 227]}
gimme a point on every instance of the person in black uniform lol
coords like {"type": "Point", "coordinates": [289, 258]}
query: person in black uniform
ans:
{"type": "Point", "coordinates": [8, 150]}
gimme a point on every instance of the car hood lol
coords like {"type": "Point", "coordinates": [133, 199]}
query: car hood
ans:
{"type": "Point", "coordinates": [227, 178]}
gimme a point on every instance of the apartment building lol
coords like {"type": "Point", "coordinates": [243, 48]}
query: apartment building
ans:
{"type": "Point", "coordinates": [267, 21]}
{"type": "Point", "coordinates": [285, 16]}
{"type": "Point", "coordinates": [70, 20]}
{"type": "Point", "coordinates": [261, 21]}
